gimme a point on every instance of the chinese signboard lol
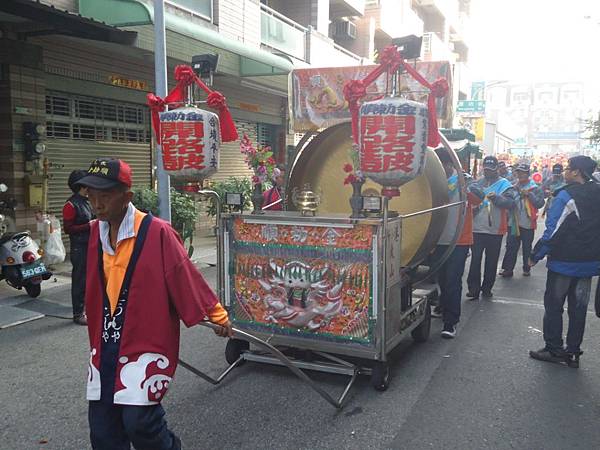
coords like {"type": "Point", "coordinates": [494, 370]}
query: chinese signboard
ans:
{"type": "Point", "coordinates": [471, 106]}
{"type": "Point", "coordinates": [190, 140]}
{"type": "Point", "coordinates": [116, 80]}
{"type": "Point", "coordinates": [475, 125]}
{"type": "Point", "coordinates": [392, 141]}
{"type": "Point", "coordinates": [318, 101]}
{"type": "Point", "coordinates": [303, 280]}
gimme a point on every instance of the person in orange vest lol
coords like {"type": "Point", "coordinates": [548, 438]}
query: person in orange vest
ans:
{"type": "Point", "coordinates": [451, 272]}
{"type": "Point", "coordinates": [137, 268]}
{"type": "Point", "coordinates": [273, 198]}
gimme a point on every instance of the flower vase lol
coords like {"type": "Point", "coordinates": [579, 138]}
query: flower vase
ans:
{"type": "Point", "coordinates": [257, 199]}
{"type": "Point", "coordinates": [356, 201]}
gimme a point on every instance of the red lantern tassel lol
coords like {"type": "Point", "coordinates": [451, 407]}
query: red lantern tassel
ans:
{"type": "Point", "coordinates": [217, 101]}
{"type": "Point", "coordinates": [433, 135]}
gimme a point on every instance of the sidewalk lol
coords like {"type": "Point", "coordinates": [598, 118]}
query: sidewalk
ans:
{"type": "Point", "coordinates": [16, 307]}
{"type": "Point", "coordinates": [205, 254]}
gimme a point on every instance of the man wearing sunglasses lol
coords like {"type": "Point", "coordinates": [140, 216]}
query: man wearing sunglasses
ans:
{"type": "Point", "coordinates": [571, 243]}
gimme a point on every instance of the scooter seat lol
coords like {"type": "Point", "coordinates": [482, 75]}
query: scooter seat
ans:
{"type": "Point", "coordinates": [8, 236]}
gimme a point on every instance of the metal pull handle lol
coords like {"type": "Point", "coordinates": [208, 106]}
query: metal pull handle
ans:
{"type": "Point", "coordinates": [277, 354]}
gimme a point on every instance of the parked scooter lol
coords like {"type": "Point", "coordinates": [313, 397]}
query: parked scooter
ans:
{"type": "Point", "coordinates": [20, 257]}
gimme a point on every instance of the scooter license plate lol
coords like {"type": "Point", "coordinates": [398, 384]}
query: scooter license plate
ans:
{"type": "Point", "coordinates": [34, 269]}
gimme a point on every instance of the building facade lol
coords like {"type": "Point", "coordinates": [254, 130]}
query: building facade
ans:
{"type": "Point", "coordinates": [82, 69]}
{"type": "Point", "coordinates": [547, 118]}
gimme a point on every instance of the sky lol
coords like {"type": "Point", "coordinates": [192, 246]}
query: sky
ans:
{"type": "Point", "coordinates": [535, 40]}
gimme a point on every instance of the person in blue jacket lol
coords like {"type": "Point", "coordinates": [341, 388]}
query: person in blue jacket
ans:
{"type": "Point", "coordinates": [571, 243]}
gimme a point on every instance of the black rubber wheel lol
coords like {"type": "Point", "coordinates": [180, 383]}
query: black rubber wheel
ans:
{"type": "Point", "coordinates": [234, 348]}
{"type": "Point", "coordinates": [421, 333]}
{"type": "Point", "coordinates": [380, 376]}
{"type": "Point", "coordinates": [33, 290]}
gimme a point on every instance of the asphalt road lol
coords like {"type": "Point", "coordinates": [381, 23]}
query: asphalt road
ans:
{"type": "Point", "coordinates": [478, 391]}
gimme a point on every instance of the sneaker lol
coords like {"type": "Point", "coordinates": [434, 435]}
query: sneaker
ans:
{"type": "Point", "coordinates": [436, 312]}
{"type": "Point", "coordinates": [472, 295]}
{"type": "Point", "coordinates": [506, 273]}
{"type": "Point", "coordinates": [572, 359]}
{"type": "Point", "coordinates": [544, 354]}
{"type": "Point", "coordinates": [449, 331]}
{"type": "Point", "coordinates": [526, 273]}
{"type": "Point", "coordinates": [80, 320]}
{"type": "Point", "coordinates": [487, 294]}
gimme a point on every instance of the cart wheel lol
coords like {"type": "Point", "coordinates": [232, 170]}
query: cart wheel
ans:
{"type": "Point", "coordinates": [234, 348]}
{"type": "Point", "coordinates": [421, 333]}
{"type": "Point", "coordinates": [380, 376]}
{"type": "Point", "coordinates": [33, 290]}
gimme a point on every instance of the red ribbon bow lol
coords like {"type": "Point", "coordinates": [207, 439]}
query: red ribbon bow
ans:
{"type": "Point", "coordinates": [391, 58]}
{"type": "Point", "coordinates": [440, 88]}
{"type": "Point", "coordinates": [185, 77]}
{"type": "Point", "coordinates": [390, 61]}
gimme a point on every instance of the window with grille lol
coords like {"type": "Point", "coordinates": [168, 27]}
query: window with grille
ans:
{"type": "Point", "coordinates": [95, 119]}
{"type": "Point", "coordinates": [264, 134]}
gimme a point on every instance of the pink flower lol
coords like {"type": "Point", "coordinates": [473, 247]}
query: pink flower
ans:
{"type": "Point", "coordinates": [348, 168]}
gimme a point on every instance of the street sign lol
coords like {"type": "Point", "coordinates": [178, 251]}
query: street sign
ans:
{"type": "Point", "coordinates": [471, 106]}
{"type": "Point", "coordinates": [477, 90]}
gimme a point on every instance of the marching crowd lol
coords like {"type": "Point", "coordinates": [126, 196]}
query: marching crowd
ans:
{"type": "Point", "coordinates": [123, 238]}
{"type": "Point", "coordinates": [508, 203]}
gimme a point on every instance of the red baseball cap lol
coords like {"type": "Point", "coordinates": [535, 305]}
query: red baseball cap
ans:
{"type": "Point", "coordinates": [106, 174]}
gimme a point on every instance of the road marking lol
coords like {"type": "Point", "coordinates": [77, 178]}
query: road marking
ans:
{"type": "Point", "coordinates": [525, 302]}
{"type": "Point", "coordinates": [19, 322]}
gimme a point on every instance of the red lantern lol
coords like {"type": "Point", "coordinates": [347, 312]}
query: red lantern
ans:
{"type": "Point", "coordinates": [392, 141]}
{"type": "Point", "coordinates": [190, 139]}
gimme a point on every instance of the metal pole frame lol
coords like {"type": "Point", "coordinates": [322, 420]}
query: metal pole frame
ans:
{"type": "Point", "coordinates": [160, 74]}
{"type": "Point", "coordinates": [221, 271]}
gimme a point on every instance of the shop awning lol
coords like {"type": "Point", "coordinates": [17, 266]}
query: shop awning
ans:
{"type": "Point", "coordinates": [457, 134]}
{"type": "Point", "coordinates": [126, 13]}
{"type": "Point", "coordinates": [469, 149]}
{"type": "Point", "coordinates": [50, 20]}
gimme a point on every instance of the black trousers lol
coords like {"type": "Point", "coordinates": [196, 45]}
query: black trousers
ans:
{"type": "Point", "coordinates": [450, 280]}
{"type": "Point", "coordinates": [79, 262]}
{"type": "Point", "coordinates": [491, 245]}
{"type": "Point", "coordinates": [117, 427]}
{"type": "Point", "coordinates": [512, 249]}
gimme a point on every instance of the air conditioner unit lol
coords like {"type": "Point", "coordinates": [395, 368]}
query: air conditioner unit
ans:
{"type": "Point", "coordinates": [344, 29]}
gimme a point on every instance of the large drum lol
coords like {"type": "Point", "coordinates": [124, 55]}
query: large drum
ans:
{"type": "Point", "coordinates": [320, 163]}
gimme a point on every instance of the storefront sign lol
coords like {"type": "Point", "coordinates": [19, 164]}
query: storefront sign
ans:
{"type": "Point", "coordinates": [318, 101]}
{"type": "Point", "coordinates": [116, 80]}
{"type": "Point", "coordinates": [249, 107]}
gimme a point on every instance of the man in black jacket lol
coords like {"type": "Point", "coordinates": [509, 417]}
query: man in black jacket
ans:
{"type": "Point", "coordinates": [77, 214]}
{"type": "Point", "coordinates": [571, 242]}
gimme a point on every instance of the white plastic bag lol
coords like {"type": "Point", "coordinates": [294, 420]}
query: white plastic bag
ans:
{"type": "Point", "coordinates": [55, 252]}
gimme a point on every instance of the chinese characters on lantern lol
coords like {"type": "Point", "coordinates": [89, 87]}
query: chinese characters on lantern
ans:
{"type": "Point", "coordinates": [190, 141]}
{"type": "Point", "coordinates": [388, 143]}
{"type": "Point", "coordinates": [393, 136]}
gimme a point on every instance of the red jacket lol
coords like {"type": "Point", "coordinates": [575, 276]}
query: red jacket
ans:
{"type": "Point", "coordinates": [165, 288]}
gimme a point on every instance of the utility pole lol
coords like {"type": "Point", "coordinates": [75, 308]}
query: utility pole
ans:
{"type": "Point", "coordinates": [160, 75]}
